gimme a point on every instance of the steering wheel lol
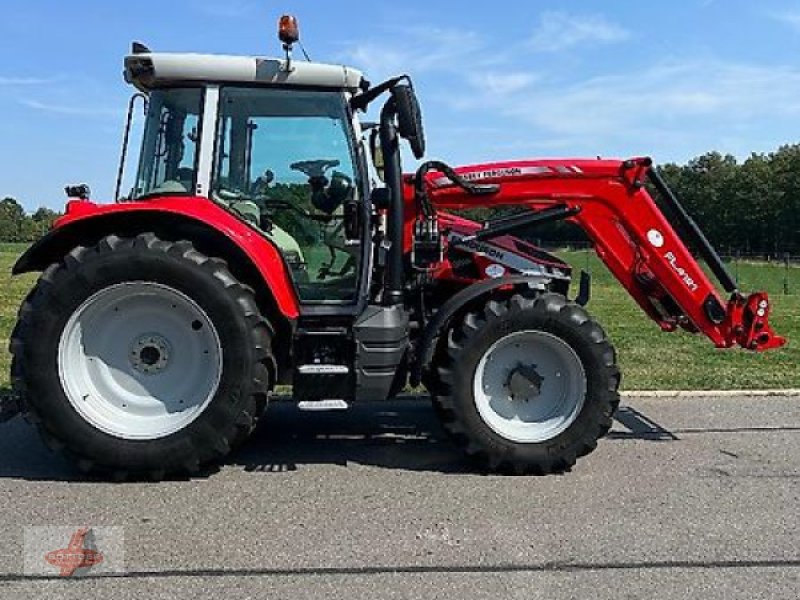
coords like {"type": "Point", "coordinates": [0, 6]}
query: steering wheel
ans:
{"type": "Point", "coordinates": [314, 168]}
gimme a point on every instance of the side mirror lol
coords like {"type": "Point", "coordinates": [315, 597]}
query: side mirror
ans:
{"type": "Point", "coordinates": [409, 118]}
{"type": "Point", "coordinates": [376, 152]}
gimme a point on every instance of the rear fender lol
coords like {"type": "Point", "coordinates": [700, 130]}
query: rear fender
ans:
{"type": "Point", "coordinates": [473, 295]}
{"type": "Point", "coordinates": [215, 231]}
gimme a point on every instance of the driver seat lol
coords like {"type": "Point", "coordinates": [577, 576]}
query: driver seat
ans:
{"type": "Point", "coordinates": [250, 212]}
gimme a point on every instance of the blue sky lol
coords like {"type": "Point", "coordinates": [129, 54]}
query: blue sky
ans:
{"type": "Point", "coordinates": [497, 80]}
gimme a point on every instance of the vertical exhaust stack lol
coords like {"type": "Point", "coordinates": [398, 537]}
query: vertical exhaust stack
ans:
{"type": "Point", "coordinates": [390, 142]}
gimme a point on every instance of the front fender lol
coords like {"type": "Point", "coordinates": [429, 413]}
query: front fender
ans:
{"type": "Point", "coordinates": [86, 223]}
{"type": "Point", "coordinates": [470, 295]}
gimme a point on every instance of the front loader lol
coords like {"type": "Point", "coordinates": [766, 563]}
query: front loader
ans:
{"type": "Point", "coordinates": [272, 238]}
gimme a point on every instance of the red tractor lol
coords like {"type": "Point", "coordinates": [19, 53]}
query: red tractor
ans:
{"type": "Point", "coordinates": [258, 248]}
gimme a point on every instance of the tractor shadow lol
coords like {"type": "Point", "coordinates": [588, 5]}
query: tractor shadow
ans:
{"type": "Point", "coordinates": [632, 424]}
{"type": "Point", "coordinates": [402, 434]}
{"type": "Point", "coordinates": [23, 455]}
{"type": "Point", "coordinates": [399, 434]}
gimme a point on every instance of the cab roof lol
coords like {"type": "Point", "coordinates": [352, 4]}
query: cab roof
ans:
{"type": "Point", "coordinates": [149, 70]}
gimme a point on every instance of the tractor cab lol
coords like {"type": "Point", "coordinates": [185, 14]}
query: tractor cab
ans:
{"type": "Point", "coordinates": [274, 142]}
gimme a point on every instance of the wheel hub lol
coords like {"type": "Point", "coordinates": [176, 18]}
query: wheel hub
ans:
{"type": "Point", "coordinates": [140, 360]}
{"type": "Point", "coordinates": [524, 383]}
{"type": "Point", "coordinates": [530, 386]}
{"type": "Point", "coordinates": [150, 354]}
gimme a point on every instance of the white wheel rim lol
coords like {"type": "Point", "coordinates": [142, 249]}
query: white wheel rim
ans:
{"type": "Point", "coordinates": [139, 360]}
{"type": "Point", "coordinates": [535, 407]}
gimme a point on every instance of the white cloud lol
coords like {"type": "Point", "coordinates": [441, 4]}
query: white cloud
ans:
{"type": "Point", "coordinates": [672, 110]}
{"type": "Point", "coordinates": [558, 31]}
{"type": "Point", "coordinates": [454, 50]}
{"type": "Point", "coordinates": [423, 50]}
{"type": "Point", "coordinates": [502, 84]}
{"type": "Point", "coordinates": [702, 89]}
{"type": "Point", "coordinates": [230, 9]}
{"type": "Point", "coordinates": [71, 110]}
{"type": "Point", "coordinates": [790, 18]}
{"type": "Point", "coordinates": [24, 81]}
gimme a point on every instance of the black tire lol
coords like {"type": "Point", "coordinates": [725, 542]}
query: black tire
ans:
{"type": "Point", "coordinates": [244, 336]}
{"type": "Point", "coordinates": [450, 382]}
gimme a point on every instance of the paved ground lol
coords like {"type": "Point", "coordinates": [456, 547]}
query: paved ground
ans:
{"type": "Point", "coordinates": [686, 499]}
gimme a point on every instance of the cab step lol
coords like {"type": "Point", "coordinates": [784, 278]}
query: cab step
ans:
{"type": "Point", "coordinates": [322, 405]}
{"type": "Point", "coordinates": [323, 370]}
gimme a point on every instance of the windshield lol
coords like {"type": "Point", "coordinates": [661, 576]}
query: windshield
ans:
{"type": "Point", "coordinates": [268, 133]}
{"type": "Point", "coordinates": [169, 148]}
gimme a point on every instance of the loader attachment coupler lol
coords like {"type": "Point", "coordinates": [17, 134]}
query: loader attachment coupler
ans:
{"type": "Point", "coordinates": [748, 323]}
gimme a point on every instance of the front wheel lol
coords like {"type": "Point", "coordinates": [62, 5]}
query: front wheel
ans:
{"type": "Point", "coordinates": [526, 385]}
{"type": "Point", "coordinates": [141, 357]}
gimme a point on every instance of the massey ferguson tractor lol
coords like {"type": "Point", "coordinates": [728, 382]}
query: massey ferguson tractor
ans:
{"type": "Point", "coordinates": [272, 238]}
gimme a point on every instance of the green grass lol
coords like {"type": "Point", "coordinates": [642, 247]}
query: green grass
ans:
{"type": "Point", "coordinates": [12, 291]}
{"type": "Point", "coordinates": [653, 360]}
{"type": "Point", "coordinates": [649, 358]}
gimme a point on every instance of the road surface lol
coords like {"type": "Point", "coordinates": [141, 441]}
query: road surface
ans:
{"type": "Point", "coordinates": [687, 498]}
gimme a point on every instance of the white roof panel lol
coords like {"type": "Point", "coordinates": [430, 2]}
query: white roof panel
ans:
{"type": "Point", "coordinates": [175, 68]}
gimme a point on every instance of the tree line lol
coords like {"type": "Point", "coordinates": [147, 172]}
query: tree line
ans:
{"type": "Point", "coordinates": [18, 226]}
{"type": "Point", "coordinates": [750, 206]}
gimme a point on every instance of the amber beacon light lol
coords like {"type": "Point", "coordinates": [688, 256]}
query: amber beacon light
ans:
{"type": "Point", "coordinates": [288, 30]}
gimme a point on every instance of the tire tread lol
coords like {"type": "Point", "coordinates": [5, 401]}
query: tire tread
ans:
{"type": "Point", "coordinates": [214, 443]}
{"type": "Point", "coordinates": [440, 382]}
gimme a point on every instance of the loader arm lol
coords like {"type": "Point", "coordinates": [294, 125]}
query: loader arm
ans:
{"type": "Point", "coordinates": [610, 201]}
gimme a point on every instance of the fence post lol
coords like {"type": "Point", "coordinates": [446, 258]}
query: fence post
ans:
{"type": "Point", "coordinates": [786, 275]}
{"type": "Point", "coordinates": [738, 257]}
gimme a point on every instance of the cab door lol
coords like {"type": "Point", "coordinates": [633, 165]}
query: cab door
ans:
{"type": "Point", "coordinates": [287, 161]}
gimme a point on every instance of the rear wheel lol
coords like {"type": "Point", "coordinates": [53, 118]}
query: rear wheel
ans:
{"type": "Point", "coordinates": [526, 385]}
{"type": "Point", "coordinates": [141, 357]}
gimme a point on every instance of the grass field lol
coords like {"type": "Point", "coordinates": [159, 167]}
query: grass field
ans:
{"type": "Point", "coordinates": [650, 359]}
{"type": "Point", "coordinates": [12, 291]}
{"type": "Point", "coordinates": [653, 360]}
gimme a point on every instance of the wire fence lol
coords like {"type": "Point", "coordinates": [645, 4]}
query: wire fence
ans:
{"type": "Point", "coordinates": [775, 272]}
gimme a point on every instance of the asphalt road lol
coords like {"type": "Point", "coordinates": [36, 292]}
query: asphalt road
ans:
{"type": "Point", "coordinates": [685, 499]}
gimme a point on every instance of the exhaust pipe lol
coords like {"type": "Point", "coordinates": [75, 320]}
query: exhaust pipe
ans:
{"type": "Point", "coordinates": [393, 170]}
